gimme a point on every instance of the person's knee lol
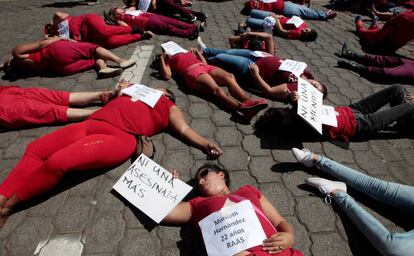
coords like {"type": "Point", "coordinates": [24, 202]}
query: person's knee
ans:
{"type": "Point", "coordinates": [54, 166]}
{"type": "Point", "coordinates": [230, 76]}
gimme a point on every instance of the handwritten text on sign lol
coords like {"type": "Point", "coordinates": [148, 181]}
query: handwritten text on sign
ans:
{"type": "Point", "coordinates": [293, 66]}
{"type": "Point", "coordinates": [151, 188]}
{"type": "Point", "coordinates": [143, 93]}
{"type": "Point", "coordinates": [231, 230]}
{"type": "Point", "coordinates": [310, 104]}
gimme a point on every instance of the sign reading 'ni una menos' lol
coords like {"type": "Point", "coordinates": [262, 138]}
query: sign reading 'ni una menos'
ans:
{"type": "Point", "coordinates": [151, 188]}
{"type": "Point", "coordinates": [310, 104]}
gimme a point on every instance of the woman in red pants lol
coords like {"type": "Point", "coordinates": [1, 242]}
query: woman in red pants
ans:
{"type": "Point", "coordinates": [155, 23]}
{"type": "Point", "coordinates": [21, 107]}
{"type": "Point", "coordinates": [62, 57]}
{"type": "Point", "coordinates": [395, 33]}
{"type": "Point", "coordinates": [105, 140]}
{"type": "Point", "coordinates": [93, 29]}
{"type": "Point", "coordinates": [168, 8]}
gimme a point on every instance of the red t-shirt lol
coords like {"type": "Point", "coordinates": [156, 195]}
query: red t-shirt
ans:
{"type": "Point", "coordinates": [269, 71]}
{"type": "Point", "coordinates": [293, 32]}
{"type": "Point", "coordinates": [179, 63]}
{"type": "Point", "coordinates": [140, 21]}
{"type": "Point", "coordinates": [201, 207]}
{"type": "Point", "coordinates": [398, 30]}
{"type": "Point", "coordinates": [347, 125]}
{"type": "Point", "coordinates": [136, 117]}
{"type": "Point", "coordinates": [75, 26]}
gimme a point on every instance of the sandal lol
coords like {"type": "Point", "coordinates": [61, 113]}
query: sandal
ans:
{"type": "Point", "coordinates": [145, 146]}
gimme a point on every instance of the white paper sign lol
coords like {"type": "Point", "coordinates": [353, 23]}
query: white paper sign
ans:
{"type": "Point", "coordinates": [260, 54]}
{"type": "Point", "coordinates": [310, 104]}
{"type": "Point", "coordinates": [295, 20]}
{"type": "Point", "coordinates": [63, 29]}
{"type": "Point", "coordinates": [151, 188]}
{"type": "Point", "coordinates": [172, 48]}
{"type": "Point", "coordinates": [143, 5]}
{"type": "Point", "coordinates": [293, 66]}
{"type": "Point", "coordinates": [329, 116]}
{"type": "Point", "coordinates": [231, 230]}
{"type": "Point", "coordinates": [143, 93]}
{"type": "Point", "coordinates": [134, 13]}
{"type": "Point", "coordinates": [269, 1]}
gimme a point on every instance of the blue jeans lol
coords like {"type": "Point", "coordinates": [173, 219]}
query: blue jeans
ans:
{"type": "Point", "coordinates": [395, 194]}
{"type": "Point", "coordinates": [235, 61]}
{"type": "Point", "coordinates": [256, 19]}
{"type": "Point", "coordinates": [292, 9]}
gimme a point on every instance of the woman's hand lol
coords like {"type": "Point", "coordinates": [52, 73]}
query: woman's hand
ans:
{"type": "Point", "coordinates": [213, 151]}
{"type": "Point", "coordinates": [294, 96]}
{"type": "Point", "coordinates": [278, 242]}
{"type": "Point", "coordinates": [107, 95]}
{"type": "Point", "coordinates": [194, 51]}
{"type": "Point", "coordinates": [254, 69]}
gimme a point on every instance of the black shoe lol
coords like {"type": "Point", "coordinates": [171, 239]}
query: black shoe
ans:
{"type": "Point", "coordinates": [200, 16]}
{"type": "Point", "coordinates": [202, 26]}
{"type": "Point", "coordinates": [352, 65]}
{"type": "Point", "coordinates": [191, 18]}
{"type": "Point", "coordinates": [349, 54]}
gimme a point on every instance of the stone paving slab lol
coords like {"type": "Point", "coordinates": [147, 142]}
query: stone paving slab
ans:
{"type": "Point", "coordinates": [85, 218]}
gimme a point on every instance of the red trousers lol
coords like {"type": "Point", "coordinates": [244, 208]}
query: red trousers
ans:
{"type": "Point", "coordinates": [82, 146]}
{"type": "Point", "coordinates": [95, 30]}
{"type": "Point", "coordinates": [163, 25]}
{"type": "Point", "coordinates": [169, 7]}
{"type": "Point", "coordinates": [21, 107]}
{"type": "Point", "coordinates": [391, 66]}
{"type": "Point", "coordinates": [67, 58]}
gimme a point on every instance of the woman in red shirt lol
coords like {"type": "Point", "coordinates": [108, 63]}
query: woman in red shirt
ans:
{"type": "Point", "coordinates": [207, 80]}
{"type": "Point", "coordinates": [105, 140]}
{"type": "Point", "coordinates": [62, 57]}
{"type": "Point", "coordinates": [155, 23]}
{"type": "Point", "coordinates": [212, 182]}
{"type": "Point", "coordinates": [356, 120]}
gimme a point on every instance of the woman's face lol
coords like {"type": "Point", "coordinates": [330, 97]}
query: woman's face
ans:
{"type": "Point", "coordinates": [316, 84]}
{"type": "Point", "coordinates": [211, 183]}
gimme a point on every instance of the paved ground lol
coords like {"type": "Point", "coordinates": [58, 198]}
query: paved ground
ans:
{"type": "Point", "coordinates": [82, 217]}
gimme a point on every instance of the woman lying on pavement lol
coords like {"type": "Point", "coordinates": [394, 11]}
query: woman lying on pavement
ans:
{"type": "Point", "coordinates": [260, 70]}
{"type": "Point", "coordinates": [213, 184]}
{"type": "Point", "coordinates": [206, 79]}
{"type": "Point", "coordinates": [358, 119]}
{"type": "Point", "coordinates": [105, 140]}
{"type": "Point", "coordinates": [169, 8]}
{"type": "Point", "coordinates": [389, 193]}
{"type": "Point", "coordinates": [281, 26]}
{"type": "Point", "coordinates": [398, 68]}
{"type": "Point", "coordinates": [155, 23]}
{"type": "Point", "coordinates": [92, 28]}
{"type": "Point", "coordinates": [20, 107]}
{"type": "Point", "coordinates": [255, 41]}
{"type": "Point", "coordinates": [63, 57]}
{"type": "Point", "coordinates": [288, 9]}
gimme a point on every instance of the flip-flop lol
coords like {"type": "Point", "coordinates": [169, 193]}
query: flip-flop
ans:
{"type": "Point", "coordinates": [145, 146]}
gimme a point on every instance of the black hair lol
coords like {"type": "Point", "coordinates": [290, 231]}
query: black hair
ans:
{"type": "Point", "coordinates": [324, 90]}
{"type": "Point", "coordinates": [217, 169]}
{"type": "Point", "coordinates": [308, 36]}
{"type": "Point", "coordinates": [171, 95]}
{"type": "Point", "coordinates": [255, 44]}
{"type": "Point", "coordinates": [278, 120]}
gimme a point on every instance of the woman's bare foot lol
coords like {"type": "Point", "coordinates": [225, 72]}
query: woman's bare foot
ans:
{"type": "Point", "coordinates": [6, 207]}
{"type": "Point", "coordinates": [107, 96]}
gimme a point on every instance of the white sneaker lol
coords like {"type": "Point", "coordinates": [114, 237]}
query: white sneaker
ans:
{"type": "Point", "coordinates": [326, 187]}
{"type": "Point", "coordinates": [201, 44]}
{"type": "Point", "coordinates": [303, 156]}
{"type": "Point", "coordinates": [127, 63]}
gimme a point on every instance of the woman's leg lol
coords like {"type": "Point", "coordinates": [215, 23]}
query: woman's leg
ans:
{"type": "Point", "coordinates": [384, 191]}
{"type": "Point", "coordinates": [228, 80]}
{"type": "Point", "coordinates": [291, 9]}
{"type": "Point", "coordinates": [259, 14]}
{"type": "Point", "coordinates": [98, 29]}
{"type": "Point", "coordinates": [104, 54]}
{"type": "Point", "coordinates": [255, 23]}
{"type": "Point", "coordinates": [210, 52]}
{"type": "Point", "coordinates": [401, 244]}
{"type": "Point", "coordinates": [207, 85]}
{"type": "Point", "coordinates": [168, 7]}
{"type": "Point", "coordinates": [120, 40]}
{"type": "Point", "coordinates": [235, 64]}
{"type": "Point", "coordinates": [167, 26]}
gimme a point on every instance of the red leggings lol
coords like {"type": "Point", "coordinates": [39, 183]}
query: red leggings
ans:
{"type": "Point", "coordinates": [90, 144]}
{"type": "Point", "coordinates": [95, 30]}
{"type": "Point", "coordinates": [392, 66]}
{"type": "Point", "coordinates": [67, 58]}
{"type": "Point", "coordinates": [20, 107]}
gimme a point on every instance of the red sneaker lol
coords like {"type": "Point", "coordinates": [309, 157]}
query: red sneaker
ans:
{"type": "Point", "coordinates": [253, 104]}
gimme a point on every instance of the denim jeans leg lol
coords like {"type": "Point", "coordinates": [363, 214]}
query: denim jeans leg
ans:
{"type": "Point", "coordinates": [255, 23]}
{"type": "Point", "coordinates": [259, 14]}
{"type": "Point", "coordinates": [238, 65]}
{"type": "Point", "coordinates": [291, 9]}
{"type": "Point", "coordinates": [401, 244]}
{"type": "Point", "coordinates": [391, 193]}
